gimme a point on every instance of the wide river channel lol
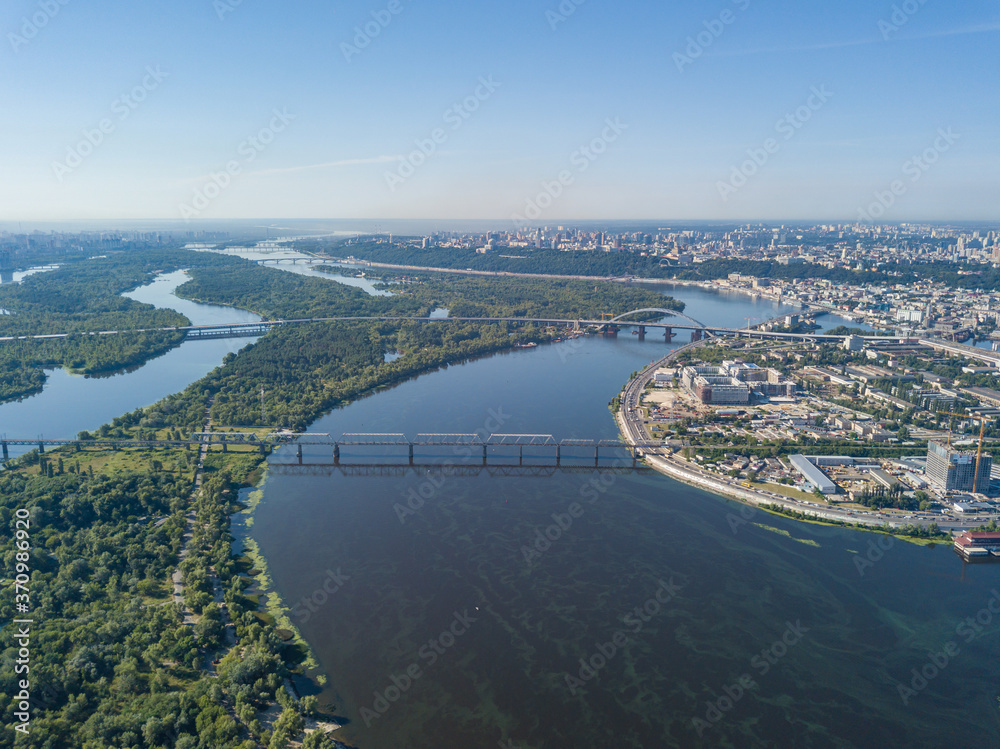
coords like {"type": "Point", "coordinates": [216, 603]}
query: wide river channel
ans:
{"type": "Point", "coordinates": [467, 607]}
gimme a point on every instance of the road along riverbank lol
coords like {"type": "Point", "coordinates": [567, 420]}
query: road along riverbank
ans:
{"type": "Point", "coordinates": [630, 425]}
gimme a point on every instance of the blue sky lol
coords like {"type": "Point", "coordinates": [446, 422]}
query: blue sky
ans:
{"type": "Point", "coordinates": [346, 146]}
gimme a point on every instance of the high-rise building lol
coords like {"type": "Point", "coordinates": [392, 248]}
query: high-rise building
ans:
{"type": "Point", "coordinates": [953, 470]}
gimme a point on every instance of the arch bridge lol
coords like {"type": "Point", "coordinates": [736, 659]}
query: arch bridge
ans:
{"type": "Point", "coordinates": [698, 329]}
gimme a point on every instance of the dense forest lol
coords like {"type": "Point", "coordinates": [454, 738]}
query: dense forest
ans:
{"type": "Point", "coordinates": [277, 294]}
{"type": "Point", "coordinates": [510, 260]}
{"type": "Point", "coordinates": [111, 662]}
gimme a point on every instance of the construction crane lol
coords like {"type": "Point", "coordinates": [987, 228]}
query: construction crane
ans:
{"type": "Point", "coordinates": [979, 451]}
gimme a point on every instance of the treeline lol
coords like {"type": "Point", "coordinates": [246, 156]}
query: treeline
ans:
{"type": "Point", "coordinates": [529, 260]}
{"type": "Point", "coordinates": [277, 294]}
{"type": "Point", "coordinates": [931, 531]}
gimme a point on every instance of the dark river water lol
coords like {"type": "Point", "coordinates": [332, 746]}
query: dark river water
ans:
{"type": "Point", "coordinates": [461, 607]}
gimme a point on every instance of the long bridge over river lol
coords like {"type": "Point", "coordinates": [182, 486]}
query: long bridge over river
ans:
{"type": "Point", "coordinates": [356, 449]}
{"type": "Point", "coordinates": [610, 326]}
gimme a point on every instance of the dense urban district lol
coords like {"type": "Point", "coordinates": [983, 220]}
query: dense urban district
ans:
{"type": "Point", "coordinates": [147, 627]}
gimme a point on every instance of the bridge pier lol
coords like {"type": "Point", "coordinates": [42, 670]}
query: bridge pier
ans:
{"type": "Point", "coordinates": [558, 455]}
{"type": "Point", "coordinates": [642, 332]}
{"type": "Point", "coordinates": [668, 334]}
{"type": "Point", "coordinates": [597, 454]}
{"type": "Point", "coordinates": [411, 453]}
{"type": "Point", "coordinates": [484, 454]}
{"type": "Point", "coordinates": [336, 453]}
{"type": "Point", "coordinates": [6, 453]}
{"type": "Point", "coordinates": [41, 447]}
{"type": "Point", "coordinates": [298, 452]}
{"type": "Point", "coordinates": [695, 335]}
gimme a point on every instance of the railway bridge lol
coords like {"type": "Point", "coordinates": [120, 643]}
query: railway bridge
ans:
{"type": "Point", "coordinates": [357, 449]}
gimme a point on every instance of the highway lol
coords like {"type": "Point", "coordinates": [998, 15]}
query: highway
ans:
{"type": "Point", "coordinates": [259, 327]}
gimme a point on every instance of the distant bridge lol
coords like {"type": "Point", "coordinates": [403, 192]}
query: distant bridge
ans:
{"type": "Point", "coordinates": [698, 329]}
{"type": "Point", "coordinates": [292, 260]}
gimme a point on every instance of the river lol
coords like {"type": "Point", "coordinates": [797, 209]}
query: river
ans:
{"type": "Point", "coordinates": [452, 611]}
{"type": "Point", "coordinates": [69, 404]}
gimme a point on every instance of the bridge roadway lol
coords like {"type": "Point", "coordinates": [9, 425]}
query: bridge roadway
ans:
{"type": "Point", "coordinates": [259, 328]}
{"type": "Point", "coordinates": [541, 446]}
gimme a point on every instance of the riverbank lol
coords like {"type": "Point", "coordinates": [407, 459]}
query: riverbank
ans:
{"type": "Point", "coordinates": [276, 610]}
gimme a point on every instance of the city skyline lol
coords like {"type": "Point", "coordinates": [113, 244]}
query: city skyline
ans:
{"type": "Point", "coordinates": [549, 112]}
